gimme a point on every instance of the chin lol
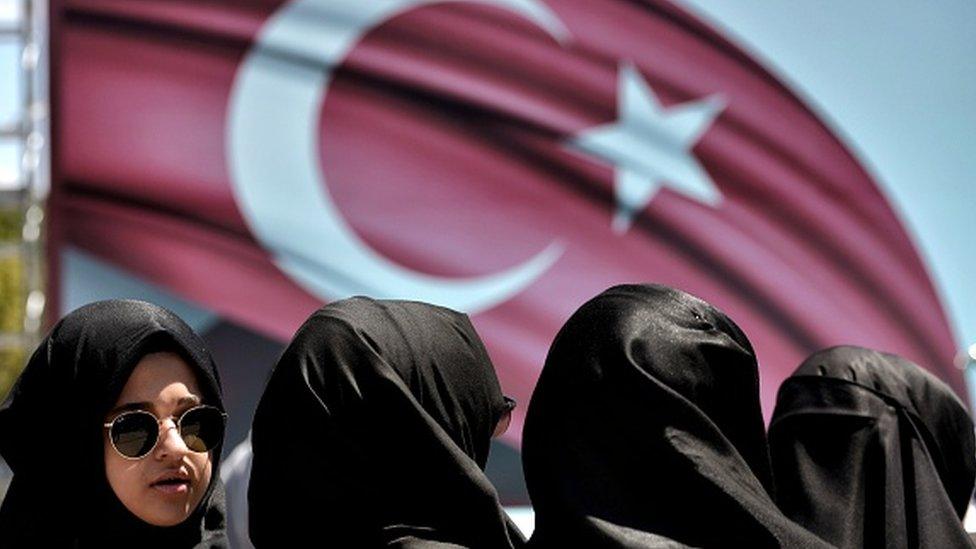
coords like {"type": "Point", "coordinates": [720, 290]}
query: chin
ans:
{"type": "Point", "coordinates": [168, 509]}
{"type": "Point", "coordinates": [167, 515]}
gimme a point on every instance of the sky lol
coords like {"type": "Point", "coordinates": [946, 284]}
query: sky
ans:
{"type": "Point", "coordinates": [10, 91]}
{"type": "Point", "coordinates": [896, 81]}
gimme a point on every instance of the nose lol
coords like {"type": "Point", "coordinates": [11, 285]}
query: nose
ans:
{"type": "Point", "coordinates": [170, 443]}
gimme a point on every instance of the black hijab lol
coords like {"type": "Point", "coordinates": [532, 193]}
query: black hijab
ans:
{"type": "Point", "coordinates": [51, 432]}
{"type": "Point", "coordinates": [872, 451]}
{"type": "Point", "coordinates": [645, 430]}
{"type": "Point", "coordinates": [374, 431]}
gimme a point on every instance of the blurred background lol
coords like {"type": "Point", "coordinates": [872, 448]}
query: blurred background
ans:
{"type": "Point", "coordinates": [806, 167]}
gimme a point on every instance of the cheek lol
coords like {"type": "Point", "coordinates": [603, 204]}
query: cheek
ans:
{"type": "Point", "coordinates": [204, 467]}
{"type": "Point", "coordinates": [124, 476]}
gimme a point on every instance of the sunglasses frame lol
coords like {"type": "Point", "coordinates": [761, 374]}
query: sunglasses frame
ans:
{"type": "Point", "coordinates": [159, 423]}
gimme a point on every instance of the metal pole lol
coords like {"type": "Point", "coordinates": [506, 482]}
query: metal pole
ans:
{"type": "Point", "coordinates": [22, 200]}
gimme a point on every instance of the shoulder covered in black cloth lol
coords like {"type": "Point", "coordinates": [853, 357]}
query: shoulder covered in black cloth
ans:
{"type": "Point", "coordinates": [52, 435]}
{"type": "Point", "coordinates": [374, 431]}
{"type": "Point", "coordinates": [645, 430]}
{"type": "Point", "coordinates": [871, 450]}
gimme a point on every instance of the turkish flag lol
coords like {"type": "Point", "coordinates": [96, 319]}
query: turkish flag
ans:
{"type": "Point", "coordinates": [510, 157]}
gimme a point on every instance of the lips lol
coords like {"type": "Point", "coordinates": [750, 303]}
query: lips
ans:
{"type": "Point", "coordinates": [175, 482]}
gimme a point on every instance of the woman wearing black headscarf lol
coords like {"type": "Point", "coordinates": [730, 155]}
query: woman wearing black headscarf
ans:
{"type": "Point", "coordinates": [374, 431]}
{"type": "Point", "coordinates": [869, 450]}
{"type": "Point", "coordinates": [113, 432]}
{"type": "Point", "coordinates": [645, 430]}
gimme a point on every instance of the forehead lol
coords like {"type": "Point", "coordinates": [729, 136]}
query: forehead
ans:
{"type": "Point", "coordinates": [159, 377]}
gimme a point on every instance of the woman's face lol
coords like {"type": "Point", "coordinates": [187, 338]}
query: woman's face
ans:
{"type": "Point", "coordinates": [164, 487]}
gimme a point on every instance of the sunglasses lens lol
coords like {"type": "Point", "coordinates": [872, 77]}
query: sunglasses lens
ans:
{"type": "Point", "coordinates": [202, 428]}
{"type": "Point", "coordinates": [134, 435]}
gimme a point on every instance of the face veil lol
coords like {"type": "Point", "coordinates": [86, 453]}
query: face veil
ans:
{"type": "Point", "coordinates": [51, 431]}
{"type": "Point", "coordinates": [645, 430]}
{"type": "Point", "coordinates": [374, 431]}
{"type": "Point", "coordinates": [869, 450]}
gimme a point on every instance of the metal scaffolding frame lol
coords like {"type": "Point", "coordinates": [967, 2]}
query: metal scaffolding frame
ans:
{"type": "Point", "coordinates": [22, 197]}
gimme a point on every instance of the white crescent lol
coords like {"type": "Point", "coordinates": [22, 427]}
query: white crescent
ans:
{"type": "Point", "coordinates": [276, 174]}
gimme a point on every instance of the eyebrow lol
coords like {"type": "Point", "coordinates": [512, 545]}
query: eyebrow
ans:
{"type": "Point", "coordinates": [130, 406]}
{"type": "Point", "coordinates": [187, 401]}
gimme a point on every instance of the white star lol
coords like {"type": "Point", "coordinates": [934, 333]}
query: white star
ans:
{"type": "Point", "coordinates": [649, 146]}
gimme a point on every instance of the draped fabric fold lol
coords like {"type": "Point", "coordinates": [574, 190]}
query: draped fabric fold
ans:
{"type": "Point", "coordinates": [474, 107]}
{"type": "Point", "coordinates": [645, 430]}
{"type": "Point", "coordinates": [869, 450]}
{"type": "Point", "coordinates": [374, 431]}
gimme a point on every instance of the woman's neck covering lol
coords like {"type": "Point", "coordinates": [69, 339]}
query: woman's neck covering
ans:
{"type": "Point", "coordinates": [51, 432]}
{"type": "Point", "coordinates": [869, 450]}
{"type": "Point", "coordinates": [645, 430]}
{"type": "Point", "coordinates": [374, 431]}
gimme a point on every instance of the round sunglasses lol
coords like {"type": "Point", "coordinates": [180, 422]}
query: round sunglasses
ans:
{"type": "Point", "coordinates": [135, 433]}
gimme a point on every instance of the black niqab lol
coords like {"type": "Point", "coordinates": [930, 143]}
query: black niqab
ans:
{"type": "Point", "coordinates": [645, 430]}
{"type": "Point", "coordinates": [872, 451]}
{"type": "Point", "coordinates": [51, 432]}
{"type": "Point", "coordinates": [374, 431]}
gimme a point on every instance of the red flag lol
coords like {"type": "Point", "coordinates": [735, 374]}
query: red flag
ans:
{"type": "Point", "coordinates": [568, 144]}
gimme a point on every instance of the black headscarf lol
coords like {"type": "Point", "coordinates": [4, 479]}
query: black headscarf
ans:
{"type": "Point", "coordinates": [645, 430]}
{"type": "Point", "coordinates": [374, 431]}
{"type": "Point", "coordinates": [872, 451]}
{"type": "Point", "coordinates": [51, 432]}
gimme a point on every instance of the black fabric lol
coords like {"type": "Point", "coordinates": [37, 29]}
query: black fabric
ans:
{"type": "Point", "coordinates": [51, 432]}
{"type": "Point", "coordinates": [374, 431]}
{"type": "Point", "coordinates": [645, 430]}
{"type": "Point", "coordinates": [872, 451]}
